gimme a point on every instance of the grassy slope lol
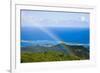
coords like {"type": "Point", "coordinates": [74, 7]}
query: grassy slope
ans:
{"type": "Point", "coordinates": [70, 53]}
{"type": "Point", "coordinates": [47, 56]}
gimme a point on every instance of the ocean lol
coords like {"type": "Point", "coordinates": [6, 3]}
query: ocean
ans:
{"type": "Point", "coordinates": [56, 34]}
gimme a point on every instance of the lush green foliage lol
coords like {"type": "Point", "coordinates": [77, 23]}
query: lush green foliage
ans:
{"type": "Point", "coordinates": [46, 56]}
{"type": "Point", "coordinates": [59, 52]}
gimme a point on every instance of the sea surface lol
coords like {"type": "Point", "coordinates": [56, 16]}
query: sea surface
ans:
{"type": "Point", "coordinates": [54, 34]}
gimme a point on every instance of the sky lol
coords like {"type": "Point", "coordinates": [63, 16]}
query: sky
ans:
{"type": "Point", "coordinates": [37, 18]}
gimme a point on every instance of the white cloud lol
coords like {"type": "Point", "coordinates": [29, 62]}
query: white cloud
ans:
{"type": "Point", "coordinates": [83, 19]}
{"type": "Point", "coordinates": [33, 21]}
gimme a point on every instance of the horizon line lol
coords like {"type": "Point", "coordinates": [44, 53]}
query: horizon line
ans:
{"type": "Point", "coordinates": [40, 41]}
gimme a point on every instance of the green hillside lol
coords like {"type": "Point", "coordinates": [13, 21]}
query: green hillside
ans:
{"type": "Point", "coordinates": [59, 52]}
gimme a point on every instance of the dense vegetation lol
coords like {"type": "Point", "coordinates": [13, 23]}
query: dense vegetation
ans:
{"type": "Point", "coordinates": [47, 56]}
{"type": "Point", "coordinates": [61, 52]}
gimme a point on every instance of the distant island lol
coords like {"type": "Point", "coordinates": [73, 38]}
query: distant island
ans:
{"type": "Point", "coordinates": [58, 52]}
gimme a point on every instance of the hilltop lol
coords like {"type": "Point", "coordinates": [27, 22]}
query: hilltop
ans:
{"type": "Point", "coordinates": [61, 51]}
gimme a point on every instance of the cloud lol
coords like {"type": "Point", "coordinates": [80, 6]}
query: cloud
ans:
{"type": "Point", "coordinates": [38, 20]}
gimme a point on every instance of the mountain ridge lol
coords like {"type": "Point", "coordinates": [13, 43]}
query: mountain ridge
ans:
{"type": "Point", "coordinates": [77, 50]}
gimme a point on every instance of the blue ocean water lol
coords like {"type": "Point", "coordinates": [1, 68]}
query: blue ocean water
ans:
{"type": "Point", "coordinates": [68, 35]}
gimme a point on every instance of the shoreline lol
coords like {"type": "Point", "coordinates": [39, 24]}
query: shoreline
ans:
{"type": "Point", "coordinates": [50, 43]}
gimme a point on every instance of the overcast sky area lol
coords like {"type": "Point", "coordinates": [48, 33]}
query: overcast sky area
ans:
{"type": "Point", "coordinates": [34, 18]}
